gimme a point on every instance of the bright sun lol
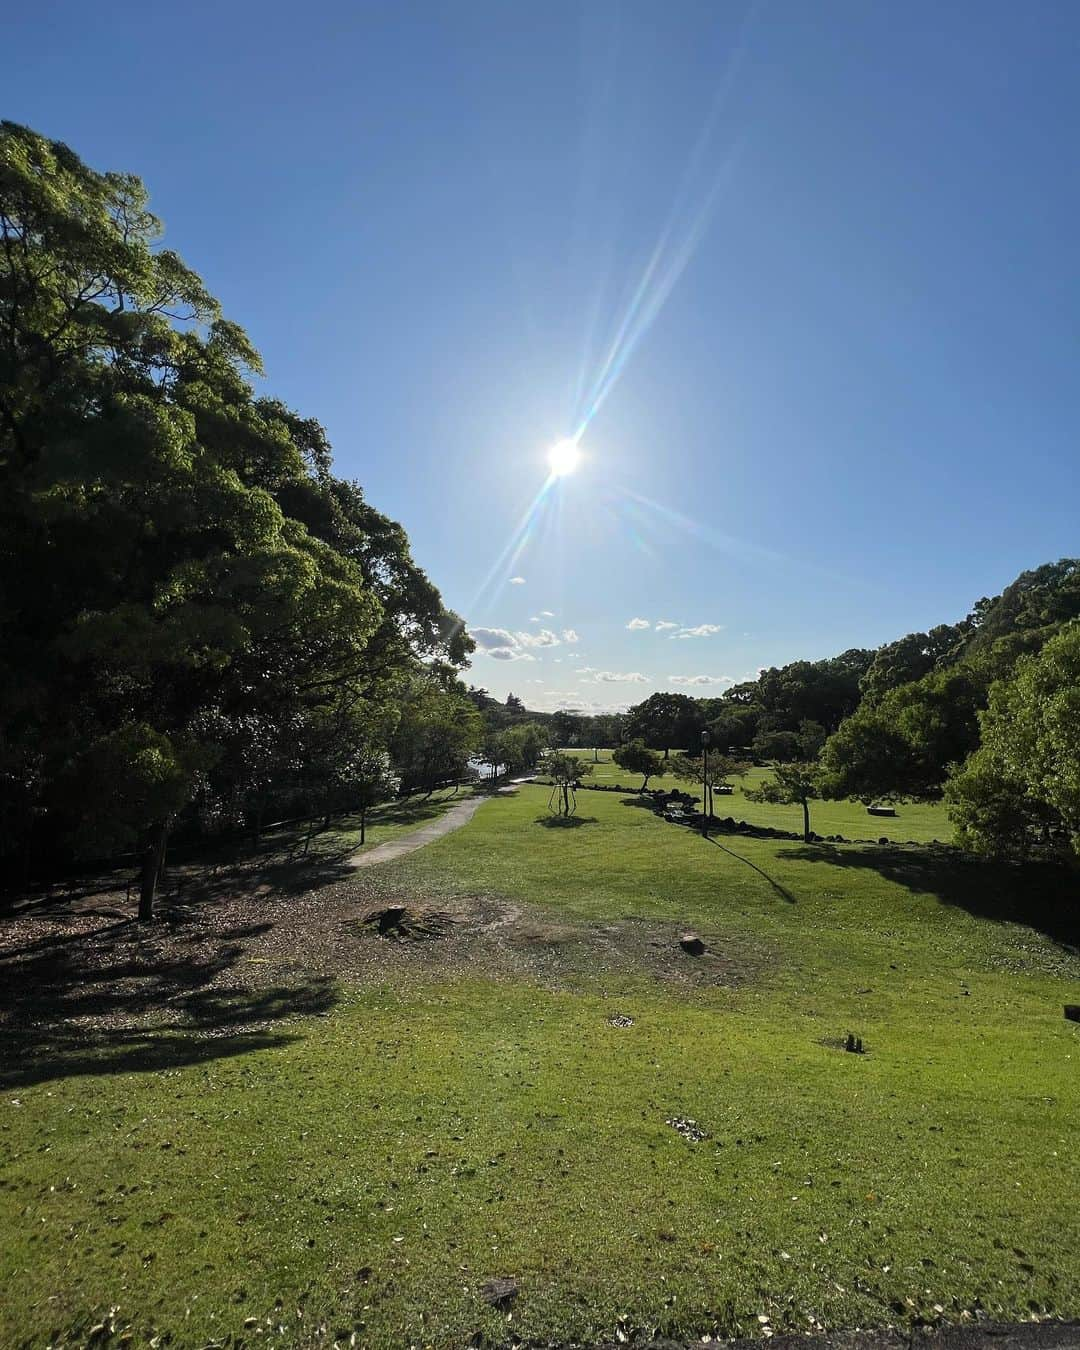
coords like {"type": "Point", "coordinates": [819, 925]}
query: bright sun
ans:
{"type": "Point", "coordinates": [563, 458]}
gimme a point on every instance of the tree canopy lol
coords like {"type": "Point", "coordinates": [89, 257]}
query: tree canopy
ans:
{"type": "Point", "coordinates": [193, 604]}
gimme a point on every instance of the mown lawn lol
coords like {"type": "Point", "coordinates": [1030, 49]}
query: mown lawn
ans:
{"type": "Point", "coordinates": [918, 822]}
{"type": "Point", "coordinates": [364, 1175]}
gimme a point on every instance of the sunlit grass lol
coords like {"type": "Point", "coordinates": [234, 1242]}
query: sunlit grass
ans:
{"type": "Point", "coordinates": [369, 1174]}
{"type": "Point", "coordinates": [920, 822]}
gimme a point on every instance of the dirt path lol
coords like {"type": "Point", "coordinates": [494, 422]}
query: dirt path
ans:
{"type": "Point", "coordinates": [452, 819]}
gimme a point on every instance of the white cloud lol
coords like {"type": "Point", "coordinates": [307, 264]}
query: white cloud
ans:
{"type": "Point", "coordinates": [504, 645]}
{"type": "Point", "coordinates": [545, 638]}
{"type": "Point", "coordinates": [635, 624]}
{"type": "Point", "coordinates": [517, 581]}
{"type": "Point", "coordinates": [489, 638]}
{"type": "Point", "coordinates": [614, 676]}
{"type": "Point", "coordinates": [534, 618]}
{"type": "Point", "coordinates": [702, 630]}
{"type": "Point", "coordinates": [663, 624]}
{"type": "Point", "coordinates": [547, 613]}
{"type": "Point", "coordinates": [700, 679]}
{"type": "Point", "coordinates": [509, 654]}
{"type": "Point", "coordinates": [569, 635]}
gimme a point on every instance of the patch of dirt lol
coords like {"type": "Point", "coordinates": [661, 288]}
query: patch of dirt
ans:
{"type": "Point", "coordinates": [79, 974]}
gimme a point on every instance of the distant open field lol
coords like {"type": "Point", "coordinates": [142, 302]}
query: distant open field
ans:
{"type": "Point", "coordinates": [282, 1128]}
{"type": "Point", "coordinates": [916, 822]}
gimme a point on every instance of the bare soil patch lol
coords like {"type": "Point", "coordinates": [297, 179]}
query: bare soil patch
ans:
{"type": "Point", "coordinates": [239, 955]}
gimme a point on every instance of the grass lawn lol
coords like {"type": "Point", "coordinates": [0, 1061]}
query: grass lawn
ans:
{"type": "Point", "coordinates": [914, 822]}
{"type": "Point", "coordinates": [361, 1173]}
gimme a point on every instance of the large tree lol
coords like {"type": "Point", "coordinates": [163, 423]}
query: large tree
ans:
{"type": "Point", "coordinates": [904, 745]}
{"type": "Point", "coordinates": [665, 722]}
{"type": "Point", "coordinates": [178, 567]}
{"type": "Point", "coordinates": [1022, 786]}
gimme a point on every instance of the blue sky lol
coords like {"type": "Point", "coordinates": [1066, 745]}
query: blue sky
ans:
{"type": "Point", "coordinates": [826, 254]}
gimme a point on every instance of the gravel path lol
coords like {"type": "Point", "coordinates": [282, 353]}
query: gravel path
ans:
{"type": "Point", "coordinates": [452, 819]}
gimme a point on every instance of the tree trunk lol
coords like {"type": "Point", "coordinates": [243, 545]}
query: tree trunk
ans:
{"type": "Point", "coordinates": [363, 826]}
{"type": "Point", "coordinates": [153, 855]}
{"type": "Point", "coordinates": [806, 822]}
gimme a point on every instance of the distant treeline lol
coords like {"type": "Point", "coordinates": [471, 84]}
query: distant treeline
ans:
{"type": "Point", "coordinates": [984, 712]}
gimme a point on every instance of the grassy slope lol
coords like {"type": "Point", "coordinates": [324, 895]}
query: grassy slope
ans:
{"type": "Point", "coordinates": [376, 1169]}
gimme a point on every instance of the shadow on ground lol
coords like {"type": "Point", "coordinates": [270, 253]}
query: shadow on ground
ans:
{"type": "Point", "coordinates": [564, 822]}
{"type": "Point", "coordinates": [1040, 895]}
{"type": "Point", "coordinates": [117, 997]}
{"type": "Point", "coordinates": [781, 891]}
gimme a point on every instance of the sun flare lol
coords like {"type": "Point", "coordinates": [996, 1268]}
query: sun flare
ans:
{"type": "Point", "coordinates": [564, 458]}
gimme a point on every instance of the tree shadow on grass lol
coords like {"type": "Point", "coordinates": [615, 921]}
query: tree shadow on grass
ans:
{"type": "Point", "coordinates": [1040, 895]}
{"type": "Point", "coordinates": [121, 998]}
{"type": "Point", "coordinates": [781, 891]}
{"type": "Point", "coordinates": [564, 822]}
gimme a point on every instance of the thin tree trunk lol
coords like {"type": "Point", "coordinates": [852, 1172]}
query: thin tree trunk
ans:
{"type": "Point", "coordinates": [153, 855]}
{"type": "Point", "coordinates": [806, 822]}
{"type": "Point", "coordinates": [363, 826]}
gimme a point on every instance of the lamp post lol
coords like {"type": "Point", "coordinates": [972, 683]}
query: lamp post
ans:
{"type": "Point", "coordinates": [706, 804]}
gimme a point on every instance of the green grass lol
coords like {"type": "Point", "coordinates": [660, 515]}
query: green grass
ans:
{"type": "Point", "coordinates": [914, 822]}
{"type": "Point", "coordinates": [370, 1169]}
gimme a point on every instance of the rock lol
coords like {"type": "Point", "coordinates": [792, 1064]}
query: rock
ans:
{"type": "Point", "coordinates": [692, 944]}
{"type": "Point", "coordinates": [689, 1129]}
{"type": "Point", "coordinates": [501, 1291]}
{"type": "Point", "coordinates": [1072, 1012]}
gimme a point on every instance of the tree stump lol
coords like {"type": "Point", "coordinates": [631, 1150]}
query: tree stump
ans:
{"type": "Point", "coordinates": [692, 944]}
{"type": "Point", "coordinates": [501, 1291]}
{"type": "Point", "coordinates": [1072, 1012]}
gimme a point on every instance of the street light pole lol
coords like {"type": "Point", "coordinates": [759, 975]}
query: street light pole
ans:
{"type": "Point", "coordinates": [706, 805]}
